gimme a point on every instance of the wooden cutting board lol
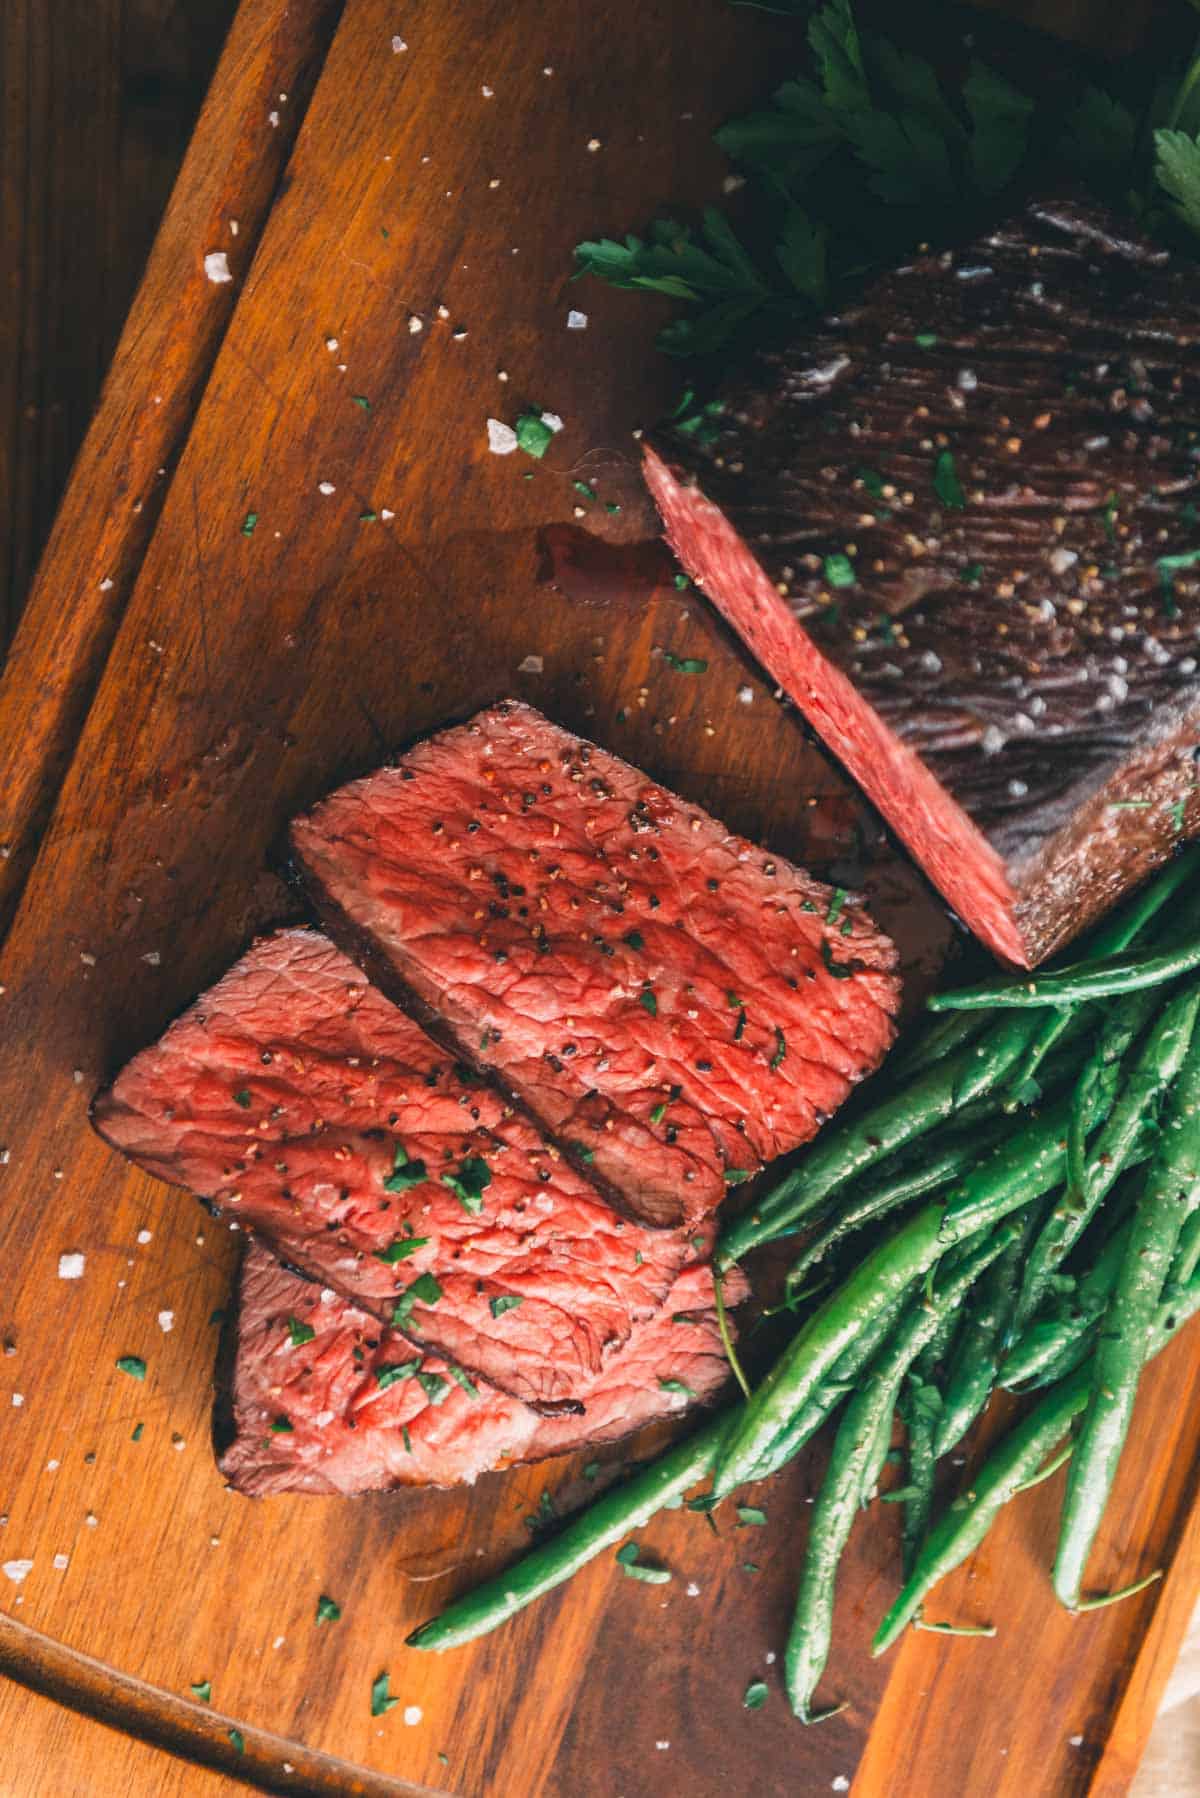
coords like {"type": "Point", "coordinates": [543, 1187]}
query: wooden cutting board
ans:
{"type": "Point", "coordinates": [329, 563]}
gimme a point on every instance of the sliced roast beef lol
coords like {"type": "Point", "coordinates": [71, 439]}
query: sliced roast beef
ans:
{"type": "Point", "coordinates": [301, 1102]}
{"type": "Point", "coordinates": [674, 1005]}
{"type": "Point", "coordinates": [324, 1400]}
{"type": "Point", "coordinates": [958, 525]}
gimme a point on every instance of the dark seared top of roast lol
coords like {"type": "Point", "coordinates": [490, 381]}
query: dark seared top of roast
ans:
{"type": "Point", "coordinates": [1028, 640]}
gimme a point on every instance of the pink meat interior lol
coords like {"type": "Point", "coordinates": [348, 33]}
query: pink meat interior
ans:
{"type": "Point", "coordinates": [955, 855]}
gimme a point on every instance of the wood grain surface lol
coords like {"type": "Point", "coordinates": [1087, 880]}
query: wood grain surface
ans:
{"type": "Point", "coordinates": [247, 672]}
{"type": "Point", "coordinates": [100, 97]}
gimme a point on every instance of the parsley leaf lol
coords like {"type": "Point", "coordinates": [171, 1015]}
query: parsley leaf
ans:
{"type": "Point", "coordinates": [327, 1610]}
{"type": "Point", "coordinates": [424, 1291]}
{"type": "Point", "coordinates": [133, 1365]}
{"type": "Point", "coordinates": [1177, 169]}
{"type": "Point", "coordinates": [627, 1559]}
{"type": "Point", "coordinates": [381, 1699]}
{"type": "Point", "coordinates": [392, 1371]}
{"type": "Point", "coordinates": [405, 1173]}
{"type": "Point", "coordinates": [1000, 116]}
{"type": "Point", "coordinates": [755, 1695]}
{"type": "Point", "coordinates": [202, 1689]}
{"type": "Point", "coordinates": [300, 1333]}
{"type": "Point", "coordinates": [470, 1183]}
{"type": "Point", "coordinates": [401, 1248]}
{"type": "Point", "coordinates": [504, 1301]}
{"type": "Point", "coordinates": [533, 436]}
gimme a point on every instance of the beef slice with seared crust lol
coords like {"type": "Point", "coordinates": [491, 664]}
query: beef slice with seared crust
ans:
{"type": "Point", "coordinates": [674, 1005]}
{"type": "Point", "coordinates": [957, 523]}
{"type": "Point", "coordinates": [303, 1104]}
{"type": "Point", "coordinates": [323, 1400]}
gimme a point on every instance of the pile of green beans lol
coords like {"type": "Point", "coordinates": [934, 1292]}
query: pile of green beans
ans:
{"type": "Point", "coordinates": [1027, 1186]}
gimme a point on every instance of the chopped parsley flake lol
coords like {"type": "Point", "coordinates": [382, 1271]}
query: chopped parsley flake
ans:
{"type": "Point", "coordinates": [583, 487]}
{"type": "Point", "coordinates": [747, 1514]}
{"type": "Point", "coordinates": [401, 1248]}
{"type": "Point", "coordinates": [755, 1695]}
{"type": "Point", "coordinates": [393, 1371]}
{"type": "Point", "coordinates": [872, 481]}
{"type": "Point", "coordinates": [463, 1379]}
{"type": "Point", "coordinates": [840, 970]}
{"type": "Point", "coordinates": [433, 1386]}
{"type": "Point", "coordinates": [591, 1470]}
{"type": "Point", "coordinates": [248, 524]}
{"type": "Point", "coordinates": [733, 1174]}
{"type": "Point", "coordinates": [137, 1432]}
{"type": "Point", "coordinates": [1177, 815]}
{"type": "Point", "coordinates": [133, 1365]}
{"type": "Point", "coordinates": [659, 1112]}
{"type": "Point", "coordinates": [381, 1699]}
{"type": "Point", "coordinates": [539, 1522]}
{"type": "Point", "coordinates": [533, 436]}
{"type": "Point", "coordinates": [780, 1047]}
{"type": "Point", "coordinates": [648, 1002]}
{"type": "Point", "coordinates": [328, 1611]}
{"type": "Point", "coordinates": [925, 340]}
{"type": "Point", "coordinates": [946, 483]}
{"type": "Point", "coordinates": [677, 1386]}
{"type": "Point", "coordinates": [504, 1301]}
{"type": "Point", "coordinates": [685, 664]}
{"type": "Point", "coordinates": [682, 581]}
{"type": "Point", "coordinates": [739, 1029]}
{"type": "Point", "coordinates": [243, 1099]}
{"type": "Point", "coordinates": [627, 1557]}
{"type": "Point", "coordinates": [635, 939]}
{"type": "Point", "coordinates": [423, 1291]}
{"type": "Point", "coordinates": [840, 896]}
{"type": "Point", "coordinates": [202, 1689]}
{"type": "Point", "coordinates": [300, 1333]}
{"type": "Point", "coordinates": [238, 1740]}
{"type": "Point", "coordinates": [839, 571]}
{"type": "Point", "coordinates": [405, 1173]}
{"type": "Point", "coordinates": [474, 1176]}
{"type": "Point", "coordinates": [971, 573]}
{"type": "Point", "coordinates": [407, 1438]}
{"type": "Point", "coordinates": [584, 1154]}
{"type": "Point", "coordinates": [360, 399]}
{"type": "Point", "coordinates": [281, 1426]}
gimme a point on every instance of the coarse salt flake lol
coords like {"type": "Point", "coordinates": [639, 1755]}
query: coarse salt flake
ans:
{"type": "Point", "coordinates": [413, 1714]}
{"type": "Point", "coordinates": [166, 1321]}
{"type": "Point", "coordinates": [531, 665]}
{"type": "Point", "coordinates": [145, 1236]}
{"type": "Point", "coordinates": [326, 487]}
{"type": "Point", "coordinates": [16, 1570]}
{"type": "Point", "coordinates": [593, 144]}
{"type": "Point", "coordinates": [398, 46]}
{"type": "Point", "coordinates": [502, 439]}
{"type": "Point", "coordinates": [61, 1563]}
{"type": "Point", "coordinates": [216, 267]}
{"type": "Point", "coordinates": [552, 421]}
{"type": "Point", "coordinates": [840, 1783]}
{"type": "Point", "coordinates": [70, 1267]}
{"type": "Point", "coordinates": [415, 325]}
{"type": "Point", "coordinates": [692, 1589]}
{"type": "Point", "coordinates": [487, 92]}
{"type": "Point", "coordinates": [18, 1399]}
{"type": "Point", "coordinates": [576, 321]}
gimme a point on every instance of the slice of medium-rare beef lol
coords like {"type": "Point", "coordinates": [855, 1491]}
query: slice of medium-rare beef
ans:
{"type": "Point", "coordinates": [303, 1104]}
{"type": "Point", "coordinates": [958, 526]}
{"type": "Point", "coordinates": [321, 1399]}
{"type": "Point", "coordinates": [675, 1006]}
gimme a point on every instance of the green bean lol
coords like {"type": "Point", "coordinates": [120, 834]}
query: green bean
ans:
{"type": "Point", "coordinates": [1109, 939]}
{"type": "Point", "coordinates": [1076, 985]}
{"type": "Point", "coordinates": [1172, 1189]}
{"type": "Point", "coordinates": [937, 1039]}
{"type": "Point", "coordinates": [847, 1151]}
{"type": "Point", "coordinates": [1029, 1164]}
{"type": "Point", "coordinates": [920, 1408]}
{"type": "Point", "coordinates": [1157, 1066]}
{"type": "Point", "coordinates": [974, 1366]}
{"type": "Point", "coordinates": [1036, 1357]}
{"type": "Point", "coordinates": [624, 1508]}
{"type": "Point", "coordinates": [855, 1448]}
{"type": "Point", "coordinates": [807, 1420]}
{"type": "Point", "coordinates": [957, 1158]}
{"type": "Point", "coordinates": [1016, 1463]}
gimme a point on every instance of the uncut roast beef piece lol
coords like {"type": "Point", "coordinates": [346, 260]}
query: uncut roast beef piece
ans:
{"type": "Point", "coordinates": [305, 1106]}
{"type": "Point", "coordinates": [318, 1398]}
{"type": "Point", "coordinates": [674, 1005]}
{"type": "Point", "coordinates": [958, 526]}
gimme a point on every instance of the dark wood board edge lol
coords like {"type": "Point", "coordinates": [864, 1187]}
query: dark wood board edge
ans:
{"type": "Point", "coordinates": [181, 1727]}
{"type": "Point", "coordinates": [179, 317]}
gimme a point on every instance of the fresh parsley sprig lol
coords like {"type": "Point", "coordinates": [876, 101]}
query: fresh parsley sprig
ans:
{"type": "Point", "coordinates": [869, 149]}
